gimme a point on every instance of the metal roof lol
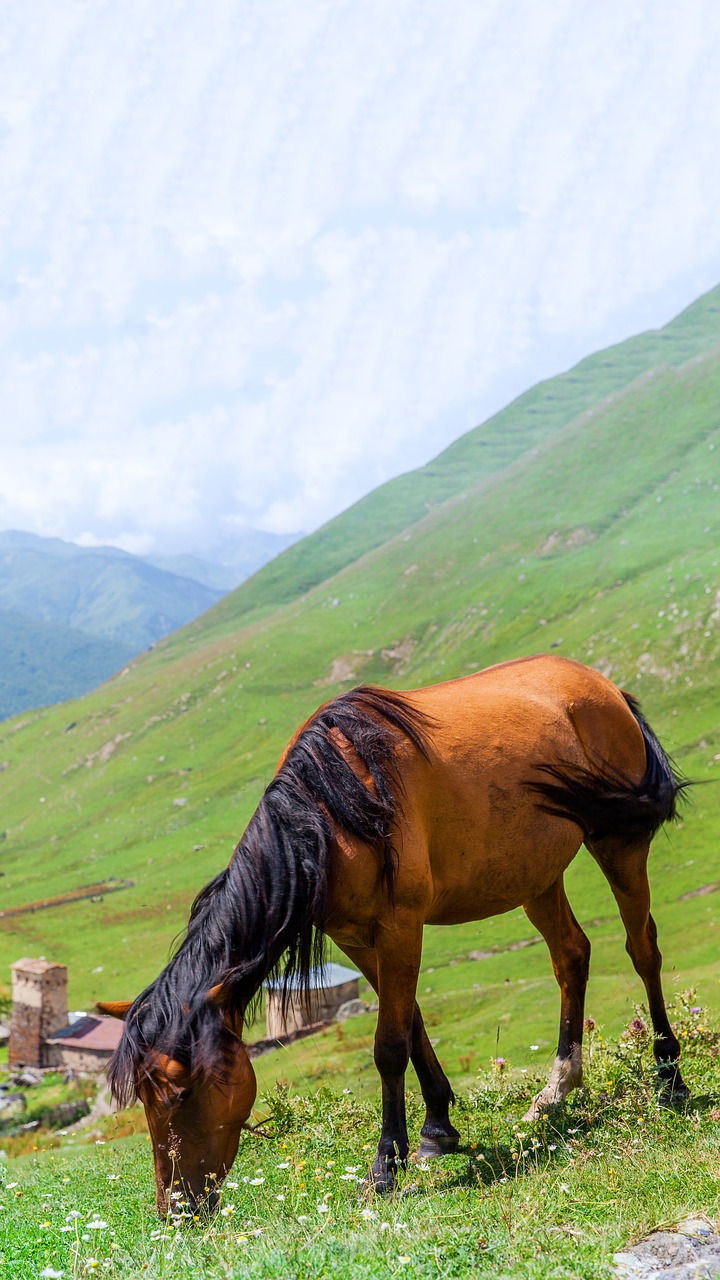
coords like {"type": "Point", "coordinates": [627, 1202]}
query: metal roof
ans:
{"type": "Point", "coordinates": [330, 975]}
{"type": "Point", "coordinates": [91, 1032]}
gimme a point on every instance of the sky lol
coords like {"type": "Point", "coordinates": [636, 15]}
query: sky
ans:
{"type": "Point", "coordinates": [257, 257]}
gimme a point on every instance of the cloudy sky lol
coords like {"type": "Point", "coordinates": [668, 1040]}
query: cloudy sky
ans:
{"type": "Point", "coordinates": [257, 256]}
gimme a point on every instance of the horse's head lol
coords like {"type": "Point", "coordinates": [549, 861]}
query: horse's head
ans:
{"type": "Point", "coordinates": [195, 1116]}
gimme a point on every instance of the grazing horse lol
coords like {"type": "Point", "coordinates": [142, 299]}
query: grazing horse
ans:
{"type": "Point", "coordinates": [387, 812]}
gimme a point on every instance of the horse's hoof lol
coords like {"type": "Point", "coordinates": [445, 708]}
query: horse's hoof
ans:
{"type": "Point", "coordinates": [379, 1182]}
{"type": "Point", "coordinates": [441, 1144]}
{"type": "Point", "coordinates": [538, 1107]}
{"type": "Point", "coordinates": [673, 1093]}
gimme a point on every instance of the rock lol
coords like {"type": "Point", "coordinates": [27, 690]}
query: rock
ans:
{"type": "Point", "coordinates": [29, 1077]}
{"type": "Point", "coordinates": [696, 1227]}
{"type": "Point", "coordinates": [690, 1252]}
{"type": "Point", "coordinates": [351, 1009]}
{"type": "Point", "coordinates": [12, 1104]}
{"type": "Point", "coordinates": [66, 1113]}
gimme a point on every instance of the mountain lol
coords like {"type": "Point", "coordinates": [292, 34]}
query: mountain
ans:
{"type": "Point", "coordinates": [45, 662]}
{"type": "Point", "coordinates": [583, 520]}
{"type": "Point", "coordinates": [101, 591]}
{"type": "Point", "coordinates": [228, 561]}
{"type": "Point", "coordinates": [71, 616]}
{"type": "Point", "coordinates": [479, 455]}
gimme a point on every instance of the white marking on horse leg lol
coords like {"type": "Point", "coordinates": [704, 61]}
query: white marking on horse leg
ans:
{"type": "Point", "coordinates": [565, 1076]}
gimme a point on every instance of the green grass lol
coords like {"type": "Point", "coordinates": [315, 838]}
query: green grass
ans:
{"type": "Point", "coordinates": [554, 1198]}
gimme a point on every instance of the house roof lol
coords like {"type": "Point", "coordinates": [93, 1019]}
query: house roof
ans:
{"type": "Point", "coordinates": [323, 979]}
{"type": "Point", "coordinates": [91, 1032]}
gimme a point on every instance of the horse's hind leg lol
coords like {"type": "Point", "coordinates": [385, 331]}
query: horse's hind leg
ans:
{"type": "Point", "coordinates": [625, 868]}
{"type": "Point", "coordinates": [570, 953]}
{"type": "Point", "coordinates": [437, 1136]}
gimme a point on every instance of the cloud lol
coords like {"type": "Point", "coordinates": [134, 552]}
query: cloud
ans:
{"type": "Point", "coordinates": [261, 257]}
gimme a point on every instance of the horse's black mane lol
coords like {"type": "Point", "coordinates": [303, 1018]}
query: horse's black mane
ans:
{"type": "Point", "coordinates": [271, 899]}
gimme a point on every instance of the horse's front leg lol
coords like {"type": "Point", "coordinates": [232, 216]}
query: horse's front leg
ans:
{"type": "Point", "coordinates": [438, 1134]}
{"type": "Point", "coordinates": [398, 954]}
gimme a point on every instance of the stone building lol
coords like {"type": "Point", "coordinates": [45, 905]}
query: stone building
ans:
{"type": "Point", "coordinates": [44, 1034]}
{"type": "Point", "coordinates": [39, 1007]}
{"type": "Point", "coordinates": [87, 1044]}
{"type": "Point", "coordinates": [329, 988]}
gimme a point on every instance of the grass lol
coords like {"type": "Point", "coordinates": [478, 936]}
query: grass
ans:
{"type": "Point", "coordinates": [553, 1198]}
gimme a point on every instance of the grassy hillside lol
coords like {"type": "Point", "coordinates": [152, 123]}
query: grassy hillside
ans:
{"type": "Point", "coordinates": [599, 541]}
{"type": "Point", "coordinates": [554, 1199]}
{"type": "Point", "coordinates": [479, 455]}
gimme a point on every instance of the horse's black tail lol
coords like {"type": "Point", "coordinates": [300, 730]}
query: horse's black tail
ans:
{"type": "Point", "coordinates": [603, 802]}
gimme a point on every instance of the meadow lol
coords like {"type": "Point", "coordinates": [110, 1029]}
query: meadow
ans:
{"type": "Point", "coordinates": [555, 1198]}
{"type": "Point", "coordinates": [583, 520]}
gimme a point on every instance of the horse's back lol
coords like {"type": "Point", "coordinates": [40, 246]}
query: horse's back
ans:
{"type": "Point", "coordinates": [536, 707]}
{"type": "Point", "coordinates": [489, 844]}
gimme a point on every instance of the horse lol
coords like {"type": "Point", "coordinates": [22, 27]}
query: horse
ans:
{"type": "Point", "coordinates": [389, 811]}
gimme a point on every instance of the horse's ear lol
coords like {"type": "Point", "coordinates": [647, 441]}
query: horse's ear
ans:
{"type": "Point", "coordinates": [114, 1008]}
{"type": "Point", "coordinates": [218, 995]}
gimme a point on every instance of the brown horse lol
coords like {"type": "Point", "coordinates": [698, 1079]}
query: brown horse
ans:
{"type": "Point", "coordinates": [389, 812]}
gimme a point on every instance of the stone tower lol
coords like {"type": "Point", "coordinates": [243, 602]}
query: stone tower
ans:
{"type": "Point", "coordinates": [39, 1007]}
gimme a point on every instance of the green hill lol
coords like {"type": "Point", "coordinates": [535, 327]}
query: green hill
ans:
{"type": "Point", "coordinates": [101, 591]}
{"type": "Point", "coordinates": [44, 662]}
{"type": "Point", "coordinates": [588, 525]}
{"type": "Point", "coordinates": [479, 455]}
{"type": "Point", "coordinates": [72, 616]}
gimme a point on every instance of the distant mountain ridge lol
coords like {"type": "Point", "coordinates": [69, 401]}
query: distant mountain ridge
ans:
{"type": "Point", "coordinates": [227, 561]}
{"type": "Point", "coordinates": [101, 591]}
{"type": "Point", "coordinates": [71, 616]}
{"type": "Point", "coordinates": [45, 662]}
